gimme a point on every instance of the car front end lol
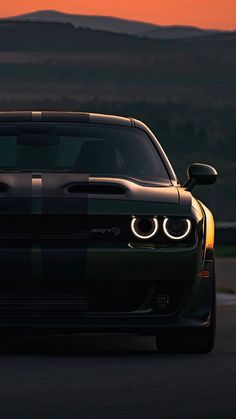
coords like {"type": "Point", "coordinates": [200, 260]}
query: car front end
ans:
{"type": "Point", "coordinates": [85, 251]}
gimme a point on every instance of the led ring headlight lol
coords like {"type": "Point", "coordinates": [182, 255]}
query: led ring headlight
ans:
{"type": "Point", "coordinates": [172, 232]}
{"type": "Point", "coordinates": [144, 228]}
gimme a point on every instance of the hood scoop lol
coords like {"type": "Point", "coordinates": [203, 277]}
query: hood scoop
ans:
{"type": "Point", "coordinates": [96, 189]}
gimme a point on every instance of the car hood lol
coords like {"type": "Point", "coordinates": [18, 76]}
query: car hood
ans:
{"type": "Point", "coordinates": [72, 191]}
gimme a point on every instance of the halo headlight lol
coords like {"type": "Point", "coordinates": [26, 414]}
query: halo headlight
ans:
{"type": "Point", "coordinates": [177, 228]}
{"type": "Point", "coordinates": [144, 228]}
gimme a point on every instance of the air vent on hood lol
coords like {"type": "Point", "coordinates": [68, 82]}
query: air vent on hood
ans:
{"type": "Point", "coordinates": [98, 189]}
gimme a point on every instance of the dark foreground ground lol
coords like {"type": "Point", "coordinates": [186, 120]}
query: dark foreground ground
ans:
{"type": "Point", "coordinates": [118, 377]}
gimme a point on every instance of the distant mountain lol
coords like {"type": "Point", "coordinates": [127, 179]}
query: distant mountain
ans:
{"type": "Point", "coordinates": [179, 32]}
{"type": "Point", "coordinates": [116, 25]}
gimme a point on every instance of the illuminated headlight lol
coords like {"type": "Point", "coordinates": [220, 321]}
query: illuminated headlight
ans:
{"type": "Point", "coordinates": [144, 228]}
{"type": "Point", "coordinates": [177, 228]}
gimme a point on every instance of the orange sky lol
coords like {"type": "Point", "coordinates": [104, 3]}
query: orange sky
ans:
{"type": "Point", "coordinates": [204, 13]}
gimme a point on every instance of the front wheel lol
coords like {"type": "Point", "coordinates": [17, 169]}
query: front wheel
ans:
{"type": "Point", "coordinates": [193, 340]}
{"type": "Point", "coordinates": [186, 341]}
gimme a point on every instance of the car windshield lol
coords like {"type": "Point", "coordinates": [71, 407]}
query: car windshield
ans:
{"type": "Point", "coordinates": [85, 148]}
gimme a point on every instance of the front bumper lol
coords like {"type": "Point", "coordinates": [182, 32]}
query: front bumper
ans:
{"type": "Point", "coordinates": [100, 324]}
{"type": "Point", "coordinates": [53, 270]}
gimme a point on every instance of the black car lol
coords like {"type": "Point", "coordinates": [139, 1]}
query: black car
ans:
{"type": "Point", "coordinates": [97, 234]}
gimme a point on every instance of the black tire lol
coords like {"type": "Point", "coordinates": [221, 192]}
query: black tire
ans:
{"type": "Point", "coordinates": [193, 340]}
{"type": "Point", "coordinates": [186, 341]}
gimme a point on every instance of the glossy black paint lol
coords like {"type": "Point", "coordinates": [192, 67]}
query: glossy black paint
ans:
{"type": "Point", "coordinates": [78, 266]}
{"type": "Point", "coordinates": [200, 174]}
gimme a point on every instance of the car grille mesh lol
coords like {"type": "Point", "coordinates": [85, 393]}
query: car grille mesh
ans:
{"type": "Point", "coordinates": [164, 297]}
{"type": "Point", "coordinates": [51, 303]}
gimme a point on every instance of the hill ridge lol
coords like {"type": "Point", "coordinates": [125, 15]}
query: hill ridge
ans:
{"type": "Point", "coordinates": [115, 24]}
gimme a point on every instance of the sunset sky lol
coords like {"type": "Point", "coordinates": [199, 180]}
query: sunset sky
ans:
{"type": "Point", "coordinates": [204, 13]}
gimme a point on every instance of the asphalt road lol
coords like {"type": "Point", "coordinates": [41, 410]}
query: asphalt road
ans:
{"type": "Point", "coordinates": [118, 377]}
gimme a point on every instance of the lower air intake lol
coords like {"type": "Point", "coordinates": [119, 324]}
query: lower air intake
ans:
{"type": "Point", "coordinates": [64, 303]}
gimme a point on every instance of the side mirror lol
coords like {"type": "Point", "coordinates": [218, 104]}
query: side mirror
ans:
{"type": "Point", "coordinates": [200, 174]}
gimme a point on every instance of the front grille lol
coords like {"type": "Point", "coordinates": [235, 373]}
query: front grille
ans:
{"type": "Point", "coordinates": [39, 305]}
{"type": "Point", "coordinates": [115, 229]}
{"type": "Point", "coordinates": [72, 303]}
{"type": "Point", "coordinates": [65, 227]}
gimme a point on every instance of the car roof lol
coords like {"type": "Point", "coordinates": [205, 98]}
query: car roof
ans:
{"type": "Point", "coordinates": [49, 116]}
